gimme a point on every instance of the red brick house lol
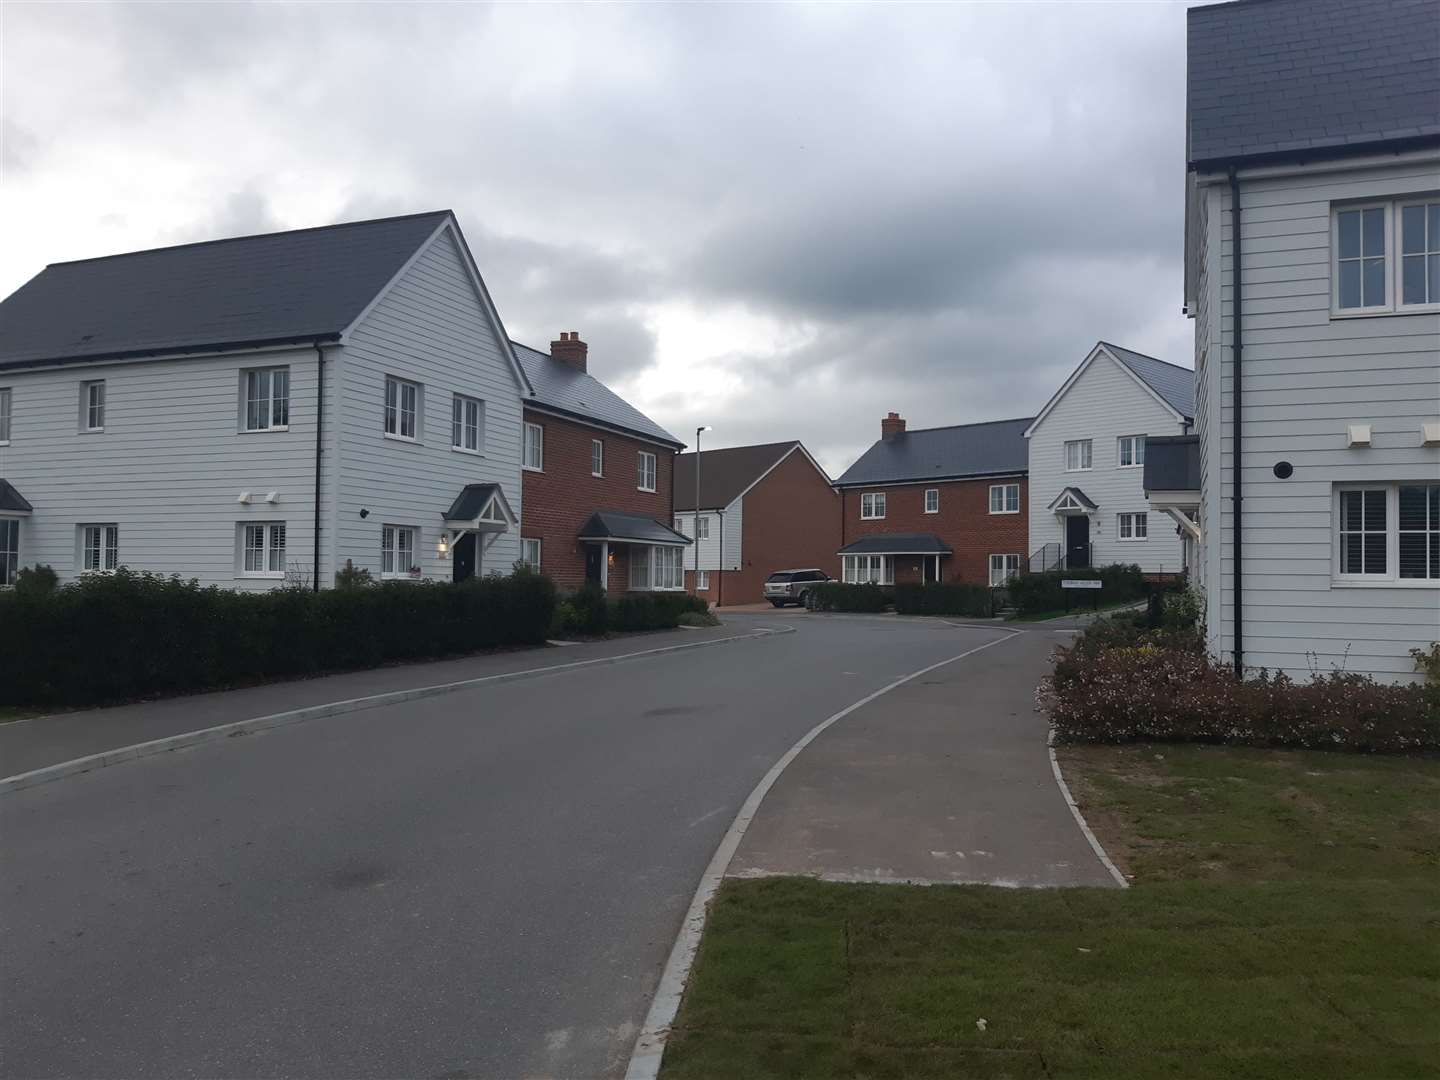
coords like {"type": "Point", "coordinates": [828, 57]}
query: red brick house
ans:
{"type": "Point", "coordinates": [596, 495]}
{"type": "Point", "coordinates": [761, 509]}
{"type": "Point", "coordinates": [938, 504]}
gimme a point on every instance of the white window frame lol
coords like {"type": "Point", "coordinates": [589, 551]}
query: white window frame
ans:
{"type": "Point", "coordinates": [462, 428]}
{"type": "Point", "coordinates": [1085, 451]}
{"type": "Point", "coordinates": [271, 549]}
{"type": "Point", "coordinates": [1002, 571]}
{"type": "Point", "coordinates": [647, 470]}
{"type": "Point", "coordinates": [1394, 257]}
{"type": "Point", "coordinates": [702, 530]}
{"type": "Point", "coordinates": [9, 550]}
{"type": "Point", "coordinates": [526, 542]}
{"type": "Point", "coordinates": [1432, 249]}
{"type": "Point", "coordinates": [1132, 527]}
{"type": "Point", "coordinates": [7, 397]}
{"type": "Point", "coordinates": [648, 575]}
{"type": "Point", "coordinates": [597, 457]}
{"type": "Point", "coordinates": [1005, 501]}
{"type": "Point", "coordinates": [396, 410]}
{"type": "Point", "coordinates": [868, 569]}
{"type": "Point", "coordinates": [393, 548]}
{"type": "Point", "coordinates": [532, 451]}
{"type": "Point", "coordinates": [932, 505]}
{"type": "Point", "coordinates": [702, 581]}
{"type": "Point", "coordinates": [106, 547]}
{"type": "Point", "coordinates": [275, 400]}
{"type": "Point", "coordinates": [1391, 578]}
{"type": "Point", "coordinates": [875, 500]}
{"type": "Point", "coordinates": [92, 401]}
{"type": "Point", "coordinates": [1135, 444]}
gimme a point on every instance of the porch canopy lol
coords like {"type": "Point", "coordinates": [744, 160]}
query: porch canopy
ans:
{"type": "Point", "coordinates": [480, 508]}
{"type": "Point", "coordinates": [898, 544]}
{"type": "Point", "coordinates": [618, 527]}
{"type": "Point", "coordinates": [12, 503]}
{"type": "Point", "coordinates": [1073, 501]}
{"type": "Point", "coordinates": [878, 558]}
{"type": "Point", "coordinates": [1172, 478]}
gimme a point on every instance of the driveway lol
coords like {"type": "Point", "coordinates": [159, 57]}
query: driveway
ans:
{"type": "Point", "coordinates": [480, 884]}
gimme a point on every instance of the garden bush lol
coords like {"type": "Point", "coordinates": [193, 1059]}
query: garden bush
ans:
{"type": "Point", "coordinates": [590, 613]}
{"type": "Point", "coordinates": [1033, 594]}
{"type": "Point", "coordinates": [944, 598]}
{"type": "Point", "coordinates": [120, 636]}
{"type": "Point", "coordinates": [38, 580]}
{"type": "Point", "coordinates": [835, 596]}
{"type": "Point", "coordinates": [1122, 683]}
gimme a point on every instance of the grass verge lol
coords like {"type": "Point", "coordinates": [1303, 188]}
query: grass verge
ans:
{"type": "Point", "coordinates": [1285, 922]}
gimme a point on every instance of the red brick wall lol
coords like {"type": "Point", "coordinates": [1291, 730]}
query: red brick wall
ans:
{"type": "Point", "coordinates": [964, 522]}
{"type": "Point", "coordinates": [557, 501]}
{"type": "Point", "coordinates": [791, 519]}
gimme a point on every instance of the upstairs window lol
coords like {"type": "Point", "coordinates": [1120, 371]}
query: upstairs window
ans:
{"type": "Point", "coordinates": [267, 399]}
{"type": "Point", "coordinates": [872, 505]}
{"type": "Point", "coordinates": [1420, 253]}
{"type": "Point", "coordinates": [1130, 452]}
{"type": "Point", "coordinates": [932, 500]}
{"type": "Point", "coordinates": [467, 419]}
{"type": "Point", "coordinates": [1385, 257]}
{"type": "Point", "coordinates": [645, 471]}
{"type": "Point", "coordinates": [92, 405]}
{"type": "Point", "coordinates": [99, 548]}
{"type": "Point", "coordinates": [533, 453]}
{"type": "Point", "coordinates": [597, 457]}
{"type": "Point", "coordinates": [402, 401]}
{"type": "Point", "coordinates": [1077, 455]}
{"type": "Point", "coordinates": [1004, 498]}
{"type": "Point", "coordinates": [4, 414]}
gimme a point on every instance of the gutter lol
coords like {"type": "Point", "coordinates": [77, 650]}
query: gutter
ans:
{"type": "Point", "coordinates": [167, 352]}
{"type": "Point", "coordinates": [1237, 347]}
{"type": "Point", "coordinates": [319, 451]}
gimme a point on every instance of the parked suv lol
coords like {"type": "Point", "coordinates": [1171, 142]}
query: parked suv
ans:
{"type": "Point", "coordinates": [790, 586]}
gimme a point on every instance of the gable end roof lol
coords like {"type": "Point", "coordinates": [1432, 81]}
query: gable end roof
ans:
{"type": "Point", "coordinates": [1173, 386]}
{"type": "Point", "coordinates": [576, 393]}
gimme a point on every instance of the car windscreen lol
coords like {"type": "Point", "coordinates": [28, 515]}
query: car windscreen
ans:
{"type": "Point", "coordinates": [779, 579]}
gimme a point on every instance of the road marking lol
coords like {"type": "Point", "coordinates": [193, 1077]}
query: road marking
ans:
{"type": "Point", "coordinates": [650, 1046]}
{"type": "Point", "coordinates": [115, 756]}
{"type": "Point", "coordinates": [1095, 845]}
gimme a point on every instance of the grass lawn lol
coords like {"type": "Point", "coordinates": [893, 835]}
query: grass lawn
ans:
{"type": "Point", "coordinates": [1080, 607]}
{"type": "Point", "coordinates": [1284, 923]}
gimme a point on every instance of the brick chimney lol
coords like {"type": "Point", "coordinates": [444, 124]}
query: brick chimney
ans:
{"type": "Point", "coordinates": [891, 426]}
{"type": "Point", "coordinates": [570, 349]}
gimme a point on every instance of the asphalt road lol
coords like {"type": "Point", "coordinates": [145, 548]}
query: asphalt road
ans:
{"type": "Point", "coordinates": [484, 884]}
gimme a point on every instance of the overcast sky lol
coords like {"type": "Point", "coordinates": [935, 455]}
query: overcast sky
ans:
{"type": "Point", "coordinates": [780, 221]}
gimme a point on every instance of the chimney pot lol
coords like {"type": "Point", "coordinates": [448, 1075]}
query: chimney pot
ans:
{"type": "Point", "coordinates": [570, 349]}
{"type": "Point", "coordinates": [891, 426]}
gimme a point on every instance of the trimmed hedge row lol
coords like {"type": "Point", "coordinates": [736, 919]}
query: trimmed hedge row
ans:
{"type": "Point", "coordinates": [120, 636]}
{"type": "Point", "coordinates": [837, 596]}
{"type": "Point", "coordinates": [945, 598]}
{"type": "Point", "coordinates": [1033, 594]}
{"type": "Point", "coordinates": [590, 613]}
{"type": "Point", "coordinates": [1122, 683]}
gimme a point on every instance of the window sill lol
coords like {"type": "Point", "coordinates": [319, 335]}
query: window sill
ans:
{"type": "Point", "coordinates": [267, 576]}
{"type": "Point", "coordinates": [532, 468]}
{"type": "Point", "coordinates": [647, 491]}
{"type": "Point", "coordinates": [1089, 469]}
{"type": "Point", "coordinates": [1386, 583]}
{"type": "Point", "coordinates": [1131, 539]}
{"type": "Point", "coordinates": [402, 577]}
{"type": "Point", "coordinates": [598, 475]}
{"type": "Point", "coordinates": [467, 451]}
{"type": "Point", "coordinates": [1002, 513]}
{"type": "Point", "coordinates": [263, 430]}
{"type": "Point", "coordinates": [1380, 313]}
{"type": "Point", "coordinates": [402, 439]}
{"type": "Point", "coordinates": [932, 513]}
{"type": "Point", "coordinates": [92, 431]}
{"type": "Point", "coordinates": [1141, 465]}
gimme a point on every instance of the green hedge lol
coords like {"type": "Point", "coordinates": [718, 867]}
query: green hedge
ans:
{"type": "Point", "coordinates": [121, 636]}
{"type": "Point", "coordinates": [1035, 593]}
{"type": "Point", "coordinates": [835, 596]}
{"type": "Point", "coordinates": [944, 598]}
{"type": "Point", "coordinates": [590, 613]}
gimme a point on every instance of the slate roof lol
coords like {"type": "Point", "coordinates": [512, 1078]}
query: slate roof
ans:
{"type": "Point", "coordinates": [472, 500]}
{"type": "Point", "coordinates": [618, 525]}
{"type": "Point", "coordinates": [724, 474]}
{"type": "Point", "coordinates": [1078, 495]}
{"type": "Point", "coordinates": [898, 544]}
{"type": "Point", "coordinates": [993, 448]}
{"type": "Point", "coordinates": [1276, 77]}
{"type": "Point", "coordinates": [304, 285]}
{"type": "Point", "coordinates": [1172, 382]}
{"type": "Point", "coordinates": [12, 500]}
{"type": "Point", "coordinates": [1172, 463]}
{"type": "Point", "coordinates": [561, 387]}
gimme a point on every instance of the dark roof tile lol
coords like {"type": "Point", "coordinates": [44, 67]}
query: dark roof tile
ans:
{"type": "Point", "coordinates": [560, 386]}
{"type": "Point", "coordinates": [724, 474]}
{"type": "Point", "coordinates": [994, 448]}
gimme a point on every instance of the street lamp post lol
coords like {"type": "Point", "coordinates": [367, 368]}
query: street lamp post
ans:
{"type": "Point", "coordinates": [698, 432]}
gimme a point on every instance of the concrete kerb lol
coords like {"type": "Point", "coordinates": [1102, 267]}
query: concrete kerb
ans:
{"type": "Point", "coordinates": [256, 724]}
{"type": "Point", "coordinates": [1095, 844]}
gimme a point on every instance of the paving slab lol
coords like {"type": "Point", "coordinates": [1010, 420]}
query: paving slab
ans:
{"type": "Point", "coordinates": [945, 779]}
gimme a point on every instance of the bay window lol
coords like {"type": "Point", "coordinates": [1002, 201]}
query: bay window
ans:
{"type": "Point", "coordinates": [657, 568]}
{"type": "Point", "coordinates": [868, 569]}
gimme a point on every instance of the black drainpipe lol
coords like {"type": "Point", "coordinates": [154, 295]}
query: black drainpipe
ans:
{"type": "Point", "coordinates": [1237, 537]}
{"type": "Point", "coordinates": [319, 449]}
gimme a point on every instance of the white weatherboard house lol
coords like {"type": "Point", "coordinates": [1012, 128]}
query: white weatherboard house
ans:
{"type": "Point", "coordinates": [263, 409]}
{"type": "Point", "coordinates": [1087, 463]}
{"type": "Point", "coordinates": [1314, 169]}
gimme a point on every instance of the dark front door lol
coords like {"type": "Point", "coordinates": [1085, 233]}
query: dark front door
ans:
{"type": "Point", "coordinates": [929, 569]}
{"type": "Point", "coordinates": [464, 557]}
{"type": "Point", "coordinates": [1077, 542]}
{"type": "Point", "coordinates": [592, 563]}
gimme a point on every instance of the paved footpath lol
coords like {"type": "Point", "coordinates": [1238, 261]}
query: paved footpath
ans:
{"type": "Point", "coordinates": [944, 779]}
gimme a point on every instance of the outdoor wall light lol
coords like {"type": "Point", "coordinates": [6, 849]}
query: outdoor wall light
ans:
{"type": "Point", "coordinates": [443, 548]}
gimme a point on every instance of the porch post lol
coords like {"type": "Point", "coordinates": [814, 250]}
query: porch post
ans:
{"type": "Point", "coordinates": [605, 565]}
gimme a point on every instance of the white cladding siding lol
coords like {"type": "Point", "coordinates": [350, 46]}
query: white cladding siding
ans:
{"type": "Point", "coordinates": [710, 547]}
{"type": "Point", "coordinates": [1308, 375]}
{"type": "Point", "coordinates": [430, 329]}
{"type": "Point", "coordinates": [168, 469]}
{"type": "Point", "coordinates": [1104, 403]}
